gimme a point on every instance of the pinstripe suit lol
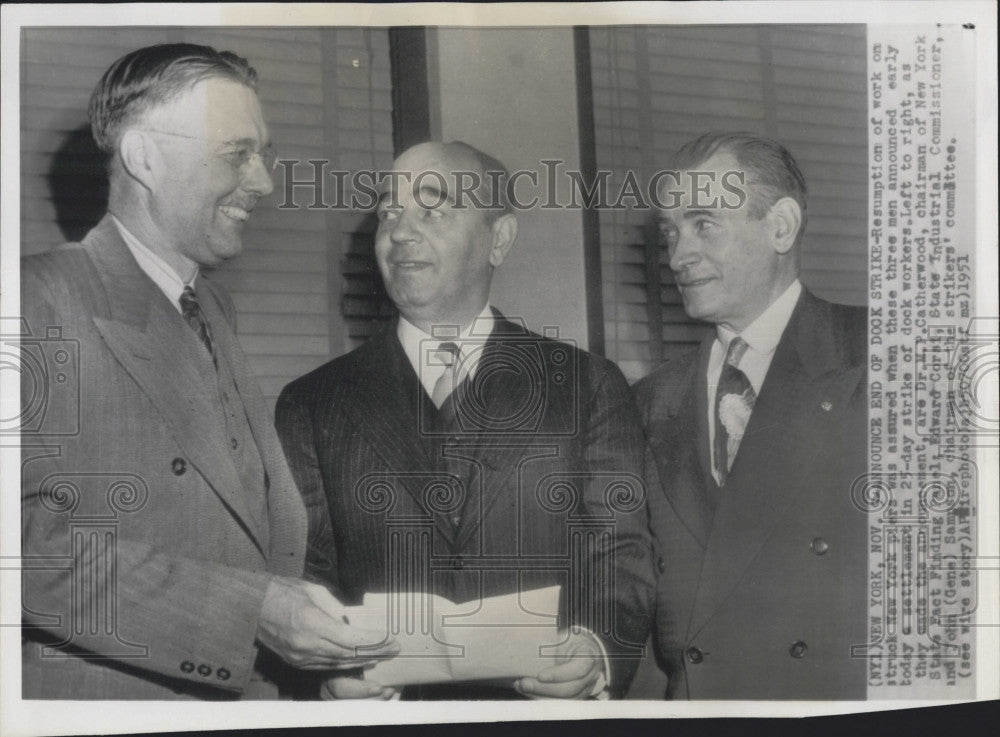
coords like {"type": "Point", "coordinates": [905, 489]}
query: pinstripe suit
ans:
{"type": "Point", "coordinates": [150, 473]}
{"type": "Point", "coordinates": [561, 459]}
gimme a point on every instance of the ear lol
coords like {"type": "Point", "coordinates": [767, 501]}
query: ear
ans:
{"type": "Point", "coordinates": [786, 217]}
{"type": "Point", "coordinates": [139, 157]}
{"type": "Point", "coordinates": [504, 234]}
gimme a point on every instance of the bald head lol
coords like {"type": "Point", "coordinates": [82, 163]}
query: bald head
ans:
{"type": "Point", "coordinates": [465, 175]}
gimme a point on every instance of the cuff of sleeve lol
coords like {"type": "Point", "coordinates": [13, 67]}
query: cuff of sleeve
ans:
{"type": "Point", "coordinates": [602, 689]}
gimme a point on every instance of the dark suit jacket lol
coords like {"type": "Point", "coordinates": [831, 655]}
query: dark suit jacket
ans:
{"type": "Point", "coordinates": [137, 530]}
{"type": "Point", "coordinates": [547, 469]}
{"type": "Point", "coordinates": [763, 597]}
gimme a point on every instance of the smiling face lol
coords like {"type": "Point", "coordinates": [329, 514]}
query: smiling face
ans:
{"type": "Point", "coordinates": [729, 266]}
{"type": "Point", "coordinates": [205, 181]}
{"type": "Point", "coordinates": [437, 260]}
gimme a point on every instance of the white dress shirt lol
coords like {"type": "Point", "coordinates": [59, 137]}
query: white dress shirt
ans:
{"type": "Point", "coordinates": [420, 347]}
{"type": "Point", "coordinates": [162, 273]}
{"type": "Point", "coordinates": [762, 337]}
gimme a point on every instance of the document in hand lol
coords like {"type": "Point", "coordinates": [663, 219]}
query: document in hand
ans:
{"type": "Point", "coordinates": [499, 637]}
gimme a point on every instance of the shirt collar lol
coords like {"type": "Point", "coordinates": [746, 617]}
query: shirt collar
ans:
{"type": "Point", "coordinates": [162, 273]}
{"type": "Point", "coordinates": [413, 339]}
{"type": "Point", "coordinates": [764, 333]}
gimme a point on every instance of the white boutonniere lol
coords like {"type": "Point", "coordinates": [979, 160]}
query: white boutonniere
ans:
{"type": "Point", "coordinates": [734, 411]}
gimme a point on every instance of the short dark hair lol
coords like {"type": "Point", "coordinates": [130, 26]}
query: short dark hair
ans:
{"type": "Point", "coordinates": [152, 76]}
{"type": "Point", "coordinates": [772, 172]}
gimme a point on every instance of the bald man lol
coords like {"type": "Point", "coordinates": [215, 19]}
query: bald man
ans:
{"type": "Point", "coordinates": [458, 453]}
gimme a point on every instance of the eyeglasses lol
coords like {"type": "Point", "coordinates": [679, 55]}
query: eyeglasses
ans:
{"type": "Point", "coordinates": [238, 155]}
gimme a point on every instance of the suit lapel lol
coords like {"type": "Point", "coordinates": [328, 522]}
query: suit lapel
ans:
{"type": "Point", "coordinates": [793, 415]}
{"type": "Point", "coordinates": [258, 418]}
{"type": "Point", "coordinates": [285, 525]}
{"type": "Point", "coordinates": [164, 357]}
{"type": "Point", "coordinates": [385, 407]}
{"type": "Point", "coordinates": [683, 465]}
{"type": "Point", "coordinates": [498, 393]}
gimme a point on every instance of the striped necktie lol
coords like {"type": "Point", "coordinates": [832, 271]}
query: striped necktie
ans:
{"type": "Point", "coordinates": [447, 355]}
{"type": "Point", "coordinates": [734, 401]}
{"type": "Point", "coordinates": [194, 317]}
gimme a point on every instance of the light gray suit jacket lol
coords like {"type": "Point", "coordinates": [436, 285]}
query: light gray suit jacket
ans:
{"type": "Point", "coordinates": [146, 561]}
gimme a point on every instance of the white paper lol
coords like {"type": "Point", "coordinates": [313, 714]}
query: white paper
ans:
{"type": "Point", "coordinates": [500, 637]}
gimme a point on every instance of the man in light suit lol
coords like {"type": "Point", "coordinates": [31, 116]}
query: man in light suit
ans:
{"type": "Point", "coordinates": [756, 437]}
{"type": "Point", "coordinates": [163, 534]}
{"type": "Point", "coordinates": [457, 452]}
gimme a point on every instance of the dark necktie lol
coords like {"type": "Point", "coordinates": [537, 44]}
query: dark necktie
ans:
{"type": "Point", "coordinates": [734, 400]}
{"type": "Point", "coordinates": [194, 317]}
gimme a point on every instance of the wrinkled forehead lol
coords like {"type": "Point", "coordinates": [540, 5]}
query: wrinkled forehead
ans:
{"type": "Point", "coordinates": [432, 164]}
{"type": "Point", "coordinates": [215, 108]}
{"type": "Point", "coordinates": [709, 185]}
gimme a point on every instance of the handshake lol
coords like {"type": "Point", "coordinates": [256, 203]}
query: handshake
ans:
{"type": "Point", "coordinates": [307, 627]}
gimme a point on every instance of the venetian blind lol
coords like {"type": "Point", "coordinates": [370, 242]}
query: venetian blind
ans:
{"type": "Point", "coordinates": [657, 87]}
{"type": "Point", "coordinates": [326, 95]}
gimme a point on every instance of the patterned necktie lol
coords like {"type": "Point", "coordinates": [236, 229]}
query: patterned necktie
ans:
{"type": "Point", "coordinates": [734, 400]}
{"type": "Point", "coordinates": [447, 355]}
{"type": "Point", "coordinates": [194, 317]}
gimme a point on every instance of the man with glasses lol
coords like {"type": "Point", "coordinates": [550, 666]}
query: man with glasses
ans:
{"type": "Point", "coordinates": [164, 540]}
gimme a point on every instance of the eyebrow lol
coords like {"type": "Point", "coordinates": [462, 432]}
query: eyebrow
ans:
{"type": "Point", "coordinates": [689, 214]}
{"type": "Point", "coordinates": [246, 142]}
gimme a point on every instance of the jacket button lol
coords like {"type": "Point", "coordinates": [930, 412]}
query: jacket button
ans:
{"type": "Point", "coordinates": [234, 443]}
{"type": "Point", "coordinates": [204, 670]}
{"type": "Point", "coordinates": [187, 666]}
{"type": "Point", "coordinates": [223, 674]}
{"type": "Point", "coordinates": [798, 649]}
{"type": "Point", "coordinates": [694, 655]}
{"type": "Point", "coordinates": [819, 545]}
{"type": "Point", "coordinates": [178, 466]}
{"type": "Point", "coordinates": [457, 563]}
{"type": "Point", "coordinates": [660, 565]}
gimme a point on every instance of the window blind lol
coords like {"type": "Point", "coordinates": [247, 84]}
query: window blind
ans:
{"type": "Point", "coordinates": [656, 87]}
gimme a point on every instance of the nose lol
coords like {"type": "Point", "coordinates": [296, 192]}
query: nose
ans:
{"type": "Point", "coordinates": [684, 252]}
{"type": "Point", "coordinates": [404, 228]}
{"type": "Point", "coordinates": [258, 178]}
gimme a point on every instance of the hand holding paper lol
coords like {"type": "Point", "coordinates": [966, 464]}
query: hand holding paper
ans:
{"type": "Point", "coordinates": [579, 667]}
{"type": "Point", "coordinates": [304, 624]}
{"type": "Point", "coordinates": [498, 638]}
